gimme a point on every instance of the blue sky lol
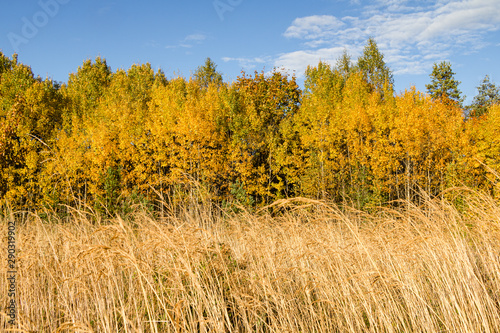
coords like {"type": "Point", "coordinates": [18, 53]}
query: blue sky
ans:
{"type": "Point", "coordinates": [54, 37]}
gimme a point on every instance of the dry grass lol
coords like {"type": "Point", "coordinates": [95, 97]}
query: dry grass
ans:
{"type": "Point", "coordinates": [314, 268]}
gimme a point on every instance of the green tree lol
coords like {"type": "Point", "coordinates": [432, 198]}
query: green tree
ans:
{"type": "Point", "coordinates": [443, 83]}
{"type": "Point", "coordinates": [160, 78]}
{"type": "Point", "coordinates": [207, 74]}
{"type": "Point", "coordinates": [344, 64]}
{"type": "Point", "coordinates": [372, 65]}
{"type": "Point", "coordinates": [488, 94]}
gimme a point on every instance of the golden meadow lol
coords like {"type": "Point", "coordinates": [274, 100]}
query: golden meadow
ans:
{"type": "Point", "coordinates": [312, 268]}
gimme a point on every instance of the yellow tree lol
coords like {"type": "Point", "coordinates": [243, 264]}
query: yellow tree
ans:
{"type": "Point", "coordinates": [67, 168]}
{"type": "Point", "coordinates": [358, 128]}
{"type": "Point", "coordinates": [483, 158]}
{"type": "Point", "coordinates": [187, 123]}
{"type": "Point", "coordinates": [345, 120]}
{"type": "Point", "coordinates": [425, 139]}
{"type": "Point", "coordinates": [260, 117]}
{"type": "Point", "coordinates": [318, 123]}
{"type": "Point", "coordinates": [117, 137]}
{"type": "Point", "coordinates": [30, 115]}
{"type": "Point", "coordinates": [165, 107]}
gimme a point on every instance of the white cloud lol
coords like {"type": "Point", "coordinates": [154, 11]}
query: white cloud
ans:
{"type": "Point", "coordinates": [189, 41]}
{"type": "Point", "coordinates": [248, 63]}
{"type": "Point", "coordinates": [313, 27]}
{"type": "Point", "coordinates": [152, 43]}
{"type": "Point", "coordinates": [462, 18]}
{"type": "Point", "coordinates": [195, 37]}
{"type": "Point", "coordinates": [299, 60]}
{"type": "Point", "coordinates": [411, 37]}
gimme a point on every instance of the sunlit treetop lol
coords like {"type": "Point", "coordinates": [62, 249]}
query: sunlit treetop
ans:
{"type": "Point", "coordinates": [488, 94]}
{"type": "Point", "coordinates": [207, 74]}
{"type": "Point", "coordinates": [373, 66]}
{"type": "Point", "coordinates": [443, 83]}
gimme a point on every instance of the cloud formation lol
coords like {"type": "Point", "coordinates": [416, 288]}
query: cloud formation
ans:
{"type": "Point", "coordinates": [189, 41]}
{"type": "Point", "coordinates": [248, 63]}
{"type": "Point", "coordinates": [195, 37]}
{"type": "Point", "coordinates": [299, 60]}
{"type": "Point", "coordinates": [313, 27]}
{"type": "Point", "coordinates": [412, 34]}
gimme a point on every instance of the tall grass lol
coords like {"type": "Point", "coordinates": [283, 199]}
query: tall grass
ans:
{"type": "Point", "coordinates": [311, 268]}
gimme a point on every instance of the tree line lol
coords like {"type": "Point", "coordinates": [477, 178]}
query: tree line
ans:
{"type": "Point", "coordinates": [108, 139]}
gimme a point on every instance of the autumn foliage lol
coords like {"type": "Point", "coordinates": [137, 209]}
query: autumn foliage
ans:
{"type": "Point", "coordinates": [110, 139]}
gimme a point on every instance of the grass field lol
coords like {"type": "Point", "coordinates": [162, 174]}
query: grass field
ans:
{"type": "Point", "coordinates": [311, 267]}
